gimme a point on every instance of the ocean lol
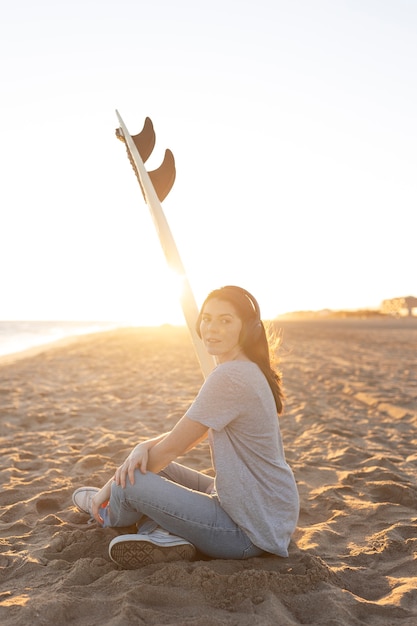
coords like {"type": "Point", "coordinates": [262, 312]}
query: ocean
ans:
{"type": "Point", "coordinates": [19, 336]}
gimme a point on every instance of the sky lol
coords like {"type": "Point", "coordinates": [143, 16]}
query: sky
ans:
{"type": "Point", "coordinates": [293, 127]}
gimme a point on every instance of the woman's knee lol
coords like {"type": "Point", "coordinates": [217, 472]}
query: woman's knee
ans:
{"type": "Point", "coordinates": [143, 485]}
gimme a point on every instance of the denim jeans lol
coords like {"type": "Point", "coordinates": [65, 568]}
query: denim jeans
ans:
{"type": "Point", "coordinates": [179, 499]}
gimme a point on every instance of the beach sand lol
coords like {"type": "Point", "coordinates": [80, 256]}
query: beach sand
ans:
{"type": "Point", "coordinates": [70, 412]}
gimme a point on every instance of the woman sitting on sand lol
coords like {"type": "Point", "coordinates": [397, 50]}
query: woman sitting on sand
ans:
{"type": "Point", "coordinates": [251, 507]}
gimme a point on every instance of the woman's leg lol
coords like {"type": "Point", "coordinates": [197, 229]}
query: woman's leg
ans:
{"type": "Point", "coordinates": [183, 511]}
{"type": "Point", "coordinates": [179, 474]}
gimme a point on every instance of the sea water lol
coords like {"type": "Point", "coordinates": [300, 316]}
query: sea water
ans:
{"type": "Point", "coordinates": [20, 335]}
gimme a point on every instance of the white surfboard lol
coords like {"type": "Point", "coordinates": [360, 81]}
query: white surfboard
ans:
{"type": "Point", "coordinates": [155, 187]}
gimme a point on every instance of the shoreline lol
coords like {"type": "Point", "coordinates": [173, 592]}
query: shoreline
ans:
{"type": "Point", "coordinates": [27, 353]}
{"type": "Point", "coordinates": [68, 340]}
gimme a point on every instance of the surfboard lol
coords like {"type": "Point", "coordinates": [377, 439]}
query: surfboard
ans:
{"type": "Point", "coordinates": [155, 186]}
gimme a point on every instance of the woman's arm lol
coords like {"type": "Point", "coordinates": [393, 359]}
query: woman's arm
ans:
{"type": "Point", "coordinates": [185, 435]}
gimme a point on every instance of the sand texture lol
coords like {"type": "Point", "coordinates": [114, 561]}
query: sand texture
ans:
{"type": "Point", "coordinates": [70, 414]}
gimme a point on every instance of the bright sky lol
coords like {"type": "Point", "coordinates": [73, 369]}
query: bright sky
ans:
{"type": "Point", "coordinates": [293, 125]}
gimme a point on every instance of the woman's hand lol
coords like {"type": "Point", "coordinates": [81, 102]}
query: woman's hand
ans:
{"type": "Point", "coordinates": [100, 500]}
{"type": "Point", "coordinates": [138, 458]}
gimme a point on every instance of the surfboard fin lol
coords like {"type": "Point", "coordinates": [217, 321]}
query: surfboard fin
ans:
{"type": "Point", "coordinates": [144, 141]}
{"type": "Point", "coordinates": [164, 176]}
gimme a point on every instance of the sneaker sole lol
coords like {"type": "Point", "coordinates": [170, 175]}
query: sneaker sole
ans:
{"type": "Point", "coordinates": [132, 554]}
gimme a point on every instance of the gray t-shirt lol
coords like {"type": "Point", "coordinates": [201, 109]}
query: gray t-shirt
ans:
{"type": "Point", "coordinates": [254, 484]}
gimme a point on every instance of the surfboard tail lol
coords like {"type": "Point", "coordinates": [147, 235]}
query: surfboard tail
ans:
{"type": "Point", "coordinates": [155, 186]}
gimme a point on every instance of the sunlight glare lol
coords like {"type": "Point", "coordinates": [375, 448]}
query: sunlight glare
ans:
{"type": "Point", "coordinates": [161, 302]}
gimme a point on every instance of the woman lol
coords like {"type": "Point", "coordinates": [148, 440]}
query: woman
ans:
{"type": "Point", "coordinates": [251, 507]}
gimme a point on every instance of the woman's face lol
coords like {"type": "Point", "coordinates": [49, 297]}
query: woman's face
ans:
{"type": "Point", "coordinates": [220, 330]}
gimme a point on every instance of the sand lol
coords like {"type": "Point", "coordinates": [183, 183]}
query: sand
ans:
{"type": "Point", "coordinates": [71, 412]}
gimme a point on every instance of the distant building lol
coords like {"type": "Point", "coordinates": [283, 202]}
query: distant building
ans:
{"type": "Point", "coordinates": [399, 306]}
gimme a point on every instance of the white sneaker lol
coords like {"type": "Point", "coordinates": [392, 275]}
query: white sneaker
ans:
{"type": "Point", "coordinates": [158, 546]}
{"type": "Point", "coordinates": [82, 498]}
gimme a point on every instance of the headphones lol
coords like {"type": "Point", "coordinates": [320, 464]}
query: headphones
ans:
{"type": "Point", "coordinates": [249, 296]}
{"type": "Point", "coordinates": [253, 327]}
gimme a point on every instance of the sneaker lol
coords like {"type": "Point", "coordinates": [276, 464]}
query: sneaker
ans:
{"type": "Point", "coordinates": [158, 546]}
{"type": "Point", "coordinates": [82, 499]}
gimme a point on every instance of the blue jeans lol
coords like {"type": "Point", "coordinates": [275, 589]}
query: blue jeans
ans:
{"type": "Point", "coordinates": [177, 500]}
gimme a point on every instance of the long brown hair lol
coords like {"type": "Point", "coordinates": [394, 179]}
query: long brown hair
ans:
{"type": "Point", "coordinates": [253, 337]}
